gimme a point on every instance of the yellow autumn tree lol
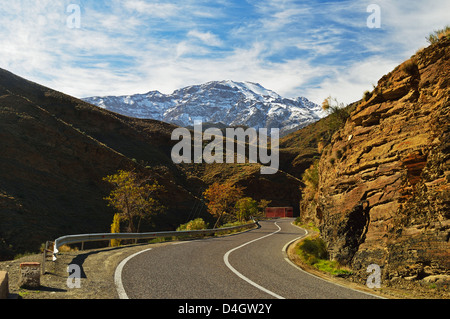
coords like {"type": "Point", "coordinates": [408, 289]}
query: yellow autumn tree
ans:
{"type": "Point", "coordinates": [133, 197]}
{"type": "Point", "coordinates": [245, 208]}
{"type": "Point", "coordinates": [221, 199]}
{"type": "Point", "coordinates": [115, 229]}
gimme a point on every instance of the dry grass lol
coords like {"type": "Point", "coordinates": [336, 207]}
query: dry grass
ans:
{"type": "Point", "coordinates": [438, 35]}
{"type": "Point", "coordinates": [410, 66]}
{"type": "Point", "coordinates": [67, 248]}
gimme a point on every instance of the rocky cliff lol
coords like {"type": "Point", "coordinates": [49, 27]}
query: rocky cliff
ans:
{"type": "Point", "coordinates": [383, 193]}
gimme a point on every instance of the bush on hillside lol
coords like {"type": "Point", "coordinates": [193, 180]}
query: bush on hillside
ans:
{"type": "Point", "coordinates": [196, 224]}
{"type": "Point", "coordinates": [438, 35]}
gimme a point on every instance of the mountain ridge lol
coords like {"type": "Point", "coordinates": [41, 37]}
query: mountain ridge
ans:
{"type": "Point", "coordinates": [226, 102]}
{"type": "Point", "coordinates": [56, 150]}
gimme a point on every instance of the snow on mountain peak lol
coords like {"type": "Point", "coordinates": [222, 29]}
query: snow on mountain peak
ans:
{"type": "Point", "coordinates": [255, 88]}
{"type": "Point", "coordinates": [229, 102]}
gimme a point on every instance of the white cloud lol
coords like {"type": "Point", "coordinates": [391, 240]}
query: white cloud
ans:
{"type": "Point", "coordinates": [206, 37]}
{"type": "Point", "coordinates": [348, 84]}
{"type": "Point", "coordinates": [241, 65]}
{"type": "Point", "coordinates": [186, 48]}
{"type": "Point", "coordinates": [161, 10]}
{"type": "Point", "coordinates": [126, 49]}
{"type": "Point", "coordinates": [409, 23]}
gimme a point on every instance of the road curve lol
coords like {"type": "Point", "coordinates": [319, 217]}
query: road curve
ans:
{"type": "Point", "coordinates": [249, 265]}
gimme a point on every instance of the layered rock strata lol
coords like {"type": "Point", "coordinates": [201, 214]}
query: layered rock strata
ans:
{"type": "Point", "coordinates": [384, 194]}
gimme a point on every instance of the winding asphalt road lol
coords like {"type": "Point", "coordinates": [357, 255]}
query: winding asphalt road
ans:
{"type": "Point", "coordinates": [249, 265]}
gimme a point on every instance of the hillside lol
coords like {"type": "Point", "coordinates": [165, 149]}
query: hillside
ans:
{"type": "Point", "coordinates": [55, 152]}
{"type": "Point", "coordinates": [56, 149]}
{"type": "Point", "coordinates": [383, 182]}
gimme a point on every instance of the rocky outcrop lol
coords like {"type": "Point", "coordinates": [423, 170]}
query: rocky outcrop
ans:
{"type": "Point", "coordinates": [384, 194]}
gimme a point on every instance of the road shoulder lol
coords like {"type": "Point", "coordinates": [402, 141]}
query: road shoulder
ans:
{"type": "Point", "coordinates": [411, 291]}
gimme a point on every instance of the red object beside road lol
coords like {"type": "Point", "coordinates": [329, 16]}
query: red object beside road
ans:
{"type": "Point", "coordinates": [273, 212]}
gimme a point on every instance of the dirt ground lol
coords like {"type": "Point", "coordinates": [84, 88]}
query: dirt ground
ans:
{"type": "Point", "coordinates": [97, 274]}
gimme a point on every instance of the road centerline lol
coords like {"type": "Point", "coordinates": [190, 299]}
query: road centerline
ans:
{"type": "Point", "coordinates": [227, 263]}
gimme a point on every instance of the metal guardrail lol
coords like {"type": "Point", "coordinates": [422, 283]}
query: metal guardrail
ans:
{"type": "Point", "coordinates": [74, 239]}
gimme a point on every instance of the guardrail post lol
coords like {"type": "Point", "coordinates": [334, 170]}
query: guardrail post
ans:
{"type": "Point", "coordinates": [44, 255]}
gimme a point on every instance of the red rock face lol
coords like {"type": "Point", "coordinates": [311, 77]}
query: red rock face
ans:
{"type": "Point", "coordinates": [414, 164]}
{"type": "Point", "coordinates": [384, 181]}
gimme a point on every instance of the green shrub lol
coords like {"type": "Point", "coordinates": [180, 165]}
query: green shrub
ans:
{"type": "Point", "coordinates": [438, 34]}
{"type": "Point", "coordinates": [367, 95]}
{"type": "Point", "coordinates": [331, 267]}
{"type": "Point", "coordinates": [316, 248]}
{"type": "Point", "coordinates": [196, 224]}
{"type": "Point", "coordinates": [314, 252]}
{"type": "Point", "coordinates": [311, 176]}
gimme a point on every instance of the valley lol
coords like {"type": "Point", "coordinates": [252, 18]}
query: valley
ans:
{"type": "Point", "coordinates": [374, 178]}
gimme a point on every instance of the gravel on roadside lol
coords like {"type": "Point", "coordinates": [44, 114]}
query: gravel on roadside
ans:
{"type": "Point", "coordinates": [97, 273]}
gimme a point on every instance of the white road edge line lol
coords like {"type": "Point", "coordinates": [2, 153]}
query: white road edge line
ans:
{"type": "Point", "coordinates": [286, 257]}
{"type": "Point", "coordinates": [118, 275]}
{"type": "Point", "coordinates": [227, 263]}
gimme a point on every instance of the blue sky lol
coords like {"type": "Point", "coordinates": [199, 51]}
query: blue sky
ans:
{"type": "Point", "coordinates": [295, 48]}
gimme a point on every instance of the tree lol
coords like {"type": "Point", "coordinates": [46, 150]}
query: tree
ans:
{"type": "Point", "coordinates": [115, 228]}
{"type": "Point", "coordinates": [133, 197]}
{"type": "Point", "coordinates": [221, 199]}
{"type": "Point", "coordinates": [246, 207]}
{"type": "Point", "coordinates": [263, 204]}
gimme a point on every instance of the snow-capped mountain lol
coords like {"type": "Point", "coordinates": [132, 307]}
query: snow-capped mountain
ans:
{"type": "Point", "coordinates": [227, 102]}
